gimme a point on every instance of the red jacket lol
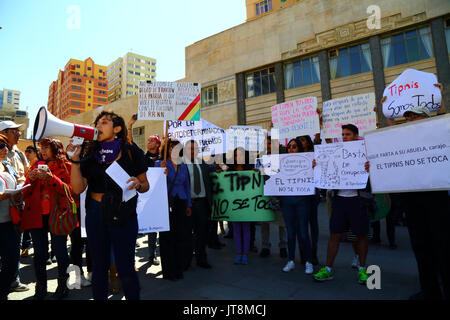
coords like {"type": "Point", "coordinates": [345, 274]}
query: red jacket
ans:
{"type": "Point", "coordinates": [32, 212]}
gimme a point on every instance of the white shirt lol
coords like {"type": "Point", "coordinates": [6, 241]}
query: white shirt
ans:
{"type": "Point", "coordinates": [202, 193]}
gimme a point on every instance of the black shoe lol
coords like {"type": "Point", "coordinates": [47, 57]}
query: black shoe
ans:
{"type": "Point", "coordinates": [264, 253]}
{"type": "Point", "coordinates": [204, 265]}
{"type": "Point", "coordinates": [61, 291]}
{"type": "Point", "coordinates": [40, 292]}
{"type": "Point", "coordinates": [283, 253]}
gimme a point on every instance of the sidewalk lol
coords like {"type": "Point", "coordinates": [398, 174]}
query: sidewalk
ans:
{"type": "Point", "coordinates": [262, 278]}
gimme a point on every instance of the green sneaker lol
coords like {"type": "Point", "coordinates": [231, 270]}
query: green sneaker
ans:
{"type": "Point", "coordinates": [323, 275]}
{"type": "Point", "coordinates": [362, 276]}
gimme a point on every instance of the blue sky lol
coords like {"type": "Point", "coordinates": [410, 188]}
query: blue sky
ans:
{"type": "Point", "coordinates": [39, 37]}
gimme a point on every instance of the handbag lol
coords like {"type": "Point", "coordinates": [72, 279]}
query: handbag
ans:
{"type": "Point", "coordinates": [64, 220]}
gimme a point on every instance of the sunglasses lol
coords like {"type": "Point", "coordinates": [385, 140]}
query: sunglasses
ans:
{"type": "Point", "coordinates": [2, 145]}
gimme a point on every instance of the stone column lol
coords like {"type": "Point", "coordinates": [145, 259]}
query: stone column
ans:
{"type": "Point", "coordinates": [240, 91]}
{"type": "Point", "coordinates": [324, 68]}
{"type": "Point", "coordinates": [279, 81]}
{"type": "Point", "coordinates": [441, 57]}
{"type": "Point", "coordinates": [378, 76]}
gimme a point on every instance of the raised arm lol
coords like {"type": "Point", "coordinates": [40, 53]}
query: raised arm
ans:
{"type": "Point", "coordinates": [77, 181]}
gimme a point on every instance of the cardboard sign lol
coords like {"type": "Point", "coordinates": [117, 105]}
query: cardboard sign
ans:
{"type": "Point", "coordinates": [251, 138]}
{"type": "Point", "coordinates": [288, 174]}
{"type": "Point", "coordinates": [152, 206]}
{"type": "Point", "coordinates": [411, 89]}
{"type": "Point", "coordinates": [239, 196]}
{"type": "Point", "coordinates": [340, 165]}
{"type": "Point", "coordinates": [409, 157]}
{"type": "Point", "coordinates": [296, 118]}
{"type": "Point", "coordinates": [357, 110]}
{"type": "Point", "coordinates": [209, 137]}
{"type": "Point", "coordinates": [169, 101]}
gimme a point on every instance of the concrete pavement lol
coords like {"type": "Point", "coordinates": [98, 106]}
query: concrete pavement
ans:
{"type": "Point", "coordinates": [262, 278]}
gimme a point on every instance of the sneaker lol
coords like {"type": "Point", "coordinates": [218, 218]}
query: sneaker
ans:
{"type": "Point", "coordinates": [362, 276]}
{"type": "Point", "coordinates": [264, 253]}
{"type": "Point", "coordinates": [17, 286]}
{"type": "Point", "coordinates": [355, 262]}
{"type": "Point", "coordinates": [244, 259]}
{"type": "Point", "coordinates": [323, 275]}
{"type": "Point", "coordinates": [309, 268]}
{"type": "Point", "coordinates": [85, 282]}
{"type": "Point", "coordinates": [283, 253]}
{"type": "Point", "coordinates": [289, 266]}
{"type": "Point", "coordinates": [238, 259]}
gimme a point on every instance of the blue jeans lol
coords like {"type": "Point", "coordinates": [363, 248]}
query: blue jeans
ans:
{"type": "Point", "coordinates": [296, 213]}
{"type": "Point", "coordinates": [101, 239]}
{"type": "Point", "coordinates": [40, 245]}
{"type": "Point", "coordinates": [10, 252]}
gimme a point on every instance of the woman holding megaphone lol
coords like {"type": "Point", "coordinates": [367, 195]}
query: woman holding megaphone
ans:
{"type": "Point", "coordinates": [110, 222]}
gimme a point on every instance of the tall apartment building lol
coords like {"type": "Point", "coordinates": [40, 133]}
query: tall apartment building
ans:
{"type": "Point", "coordinates": [125, 73]}
{"type": "Point", "coordinates": [9, 99]}
{"type": "Point", "coordinates": [80, 87]}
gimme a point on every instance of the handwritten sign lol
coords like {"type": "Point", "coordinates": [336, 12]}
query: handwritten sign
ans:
{"type": "Point", "coordinates": [209, 137]}
{"type": "Point", "coordinates": [340, 165]}
{"type": "Point", "coordinates": [239, 196]}
{"type": "Point", "coordinates": [411, 89]}
{"type": "Point", "coordinates": [410, 157]}
{"type": "Point", "coordinates": [152, 206]}
{"type": "Point", "coordinates": [169, 101]}
{"type": "Point", "coordinates": [296, 118]}
{"type": "Point", "coordinates": [289, 174]}
{"type": "Point", "coordinates": [251, 138]}
{"type": "Point", "coordinates": [357, 110]}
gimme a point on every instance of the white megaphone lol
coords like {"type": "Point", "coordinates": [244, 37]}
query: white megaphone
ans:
{"type": "Point", "coordinates": [47, 125]}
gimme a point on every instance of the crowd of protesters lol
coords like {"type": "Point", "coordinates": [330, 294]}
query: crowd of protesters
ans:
{"type": "Point", "coordinates": [112, 226]}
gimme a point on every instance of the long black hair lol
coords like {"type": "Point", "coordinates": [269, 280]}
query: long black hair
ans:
{"type": "Point", "coordinates": [299, 145]}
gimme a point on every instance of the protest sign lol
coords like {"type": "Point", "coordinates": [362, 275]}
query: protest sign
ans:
{"type": "Point", "coordinates": [296, 118]}
{"type": "Point", "coordinates": [294, 176]}
{"type": "Point", "coordinates": [251, 138]}
{"type": "Point", "coordinates": [152, 206]}
{"type": "Point", "coordinates": [169, 101]}
{"type": "Point", "coordinates": [411, 89]}
{"type": "Point", "coordinates": [238, 196]}
{"type": "Point", "coordinates": [209, 137]}
{"type": "Point", "coordinates": [413, 156]}
{"type": "Point", "coordinates": [340, 165]}
{"type": "Point", "coordinates": [357, 110]}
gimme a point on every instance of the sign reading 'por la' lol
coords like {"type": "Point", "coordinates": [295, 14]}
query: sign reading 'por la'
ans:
{"type": "Point", "coordinates": [411, 89]}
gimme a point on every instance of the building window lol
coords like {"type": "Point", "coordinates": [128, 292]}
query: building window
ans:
{"type": "Point", "coordinates": [447, 34]}
{"type": "Point", "coordinates": [139, 137]}
{"type": "Point", "coordinates": [351, 60]}
{"type": "Point", "coordinates": [263, 7]}
{"type": "Point", "coordinates": [78, 65]}
{"type": "Point", "coordinates": [407, 47]}
{"type": "Point", "coordinates": [209, 96]}
{"type": "Point", "coordinates": [302, 72]}
{"type": "Point", "coordinates": [74, 111]}
{"type": "Point", "coordinates": [137, 73]}
{"type": "Point", "coordinates": [77, 73]}
{"type": "Point", "coordinates": [89, 68]}
{"type": "Point", "coordinates": [260, 82]}
{"type": "Point", "coordinates": [75, 103]}
{"type": "Point", "coordinates": [76, 95]}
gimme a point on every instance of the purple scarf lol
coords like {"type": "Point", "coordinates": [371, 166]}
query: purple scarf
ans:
{"type": "Point", "coordinates": [108, 151]}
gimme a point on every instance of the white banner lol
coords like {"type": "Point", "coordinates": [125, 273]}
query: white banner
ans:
{"type": "Point", "coordinates": [209, 137]}
{"type": "Point", "coordinates": [411, 89]}
{"type": "Point", "coordinates": [340, 165]}
{"type": "Point", "coordinates": [153, 207]}
{"type": "Point", "coordinates": [288, 174]}
{"type": "Point", "coordinates": [251, 138]}
{"type": "Point", "coordinates": [169, 101]}
{"type": "Point", "coordinates": [296, 118]}
{"type": "Point", "coordinates": [410, 157]}
{"type": "Point", "coordinates": [357, 110]}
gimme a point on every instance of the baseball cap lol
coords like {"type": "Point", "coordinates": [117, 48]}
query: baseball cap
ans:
{"type": "Point", "coordinates": [155, 136]}
{"type": "Point", "coordinates": [419, 110]}
{"type": "Point", "coordinates": [9, 125]}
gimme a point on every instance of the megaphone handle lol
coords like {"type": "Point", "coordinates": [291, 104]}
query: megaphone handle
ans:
{"type": "Point", "coordinates": [76, 141]}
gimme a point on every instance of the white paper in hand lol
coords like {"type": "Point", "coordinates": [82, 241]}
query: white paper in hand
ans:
{"type": "Point", "coordinates": [120, 176]}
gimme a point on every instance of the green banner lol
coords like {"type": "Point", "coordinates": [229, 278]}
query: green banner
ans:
{"type": "Point", "coordinates": [239, 196]}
